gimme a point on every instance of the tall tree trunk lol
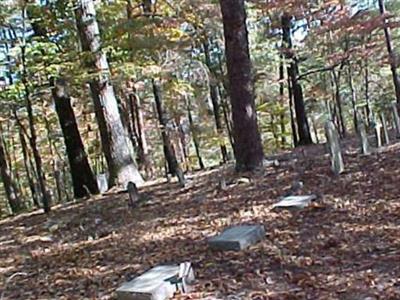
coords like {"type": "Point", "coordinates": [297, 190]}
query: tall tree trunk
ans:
{"type": "Point", "coordinates": [248, 147]}
{"type": "Point", "coordinates": [194, 133]}
{"type": "Point", "coordinates": [172, 163]}
{"type": "Point", "coordinates": [226, 113]}
{"type": "Point", "coordinates": [292, 116]}
{"type": "Point", "coordinates": [353, 97]}
{"type": "Point", "coordinates": [392, 58]}
{"type": "Point", "coordinates": [83, 179]}
{"type": "Point", "coordinates": [282, 100]}
{"type": "Point", "coordinates": [338, 99]}
{"type": "Point", "coordinates": [11, 191]}
{"type": "Point", "coordinates": [117, 150]}
{"type": "Point", "coordinates": [214, 99]}
{"type": "Point", "coordinates": [301, 115]}
{"type": "Point", "coordinates": [367, 99]}
{"type": "Point", "coordinates": [46, 200]}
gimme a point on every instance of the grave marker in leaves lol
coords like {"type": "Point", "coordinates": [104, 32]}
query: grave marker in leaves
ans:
{"type": "Point", "coordinates": [332, 137]}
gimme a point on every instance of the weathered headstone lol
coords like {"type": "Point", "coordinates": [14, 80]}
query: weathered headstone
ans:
{"type": "Point", "coordinates": [294, 202]}
{"type": "Point", "coordinates": [363, 136]}
{"type": "Point", "coordinates": [378, 133]}
{"type": "Point", "coordinates": [385, 128]}
{"type": "Point", "coordinates": [237, 238]}
{"type": "Point", "coordinates": [159, 283]}
{"type": "Point", "coordinates": [396, 119]}
{"type": "Point", "coordinates": [102, 182]}
{"type": "Point", "coordinates": [133, 194]}
{"type": "Point", "coordinates": [332, 137]}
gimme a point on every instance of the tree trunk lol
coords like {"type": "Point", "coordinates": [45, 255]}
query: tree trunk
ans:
{"type": "Point", "coordinates": [282, 100]}
{"type": "Point", "coordinates": [392, 58]}
{"type": "Point", "coordinates": [248, 147]}
{"type": "Point", "coordinates": [338, 99]}
{"type": "Point", "coordinates": [367, 100]}
{"type": "Point", "coordinates": [194, 133]}
{"type": "Point", "coordinates": [83, 179]}
{"type": "Point", "coordinates": [353, 97]}
{"type": "Point", "coordinates": [46, 200]}
{"type": "Point", "coordinates": [10, 188]}
{"type": "Point", "coordinates": [214, 99]}
{"type": "Point", "coordinates": [301, 115]}
{"type": "Point", "coordinates": [117, 150]}
{"type": "Point", "coordinates": [172, 162]}
{"type": "Point", "coordinates": [292, 116]}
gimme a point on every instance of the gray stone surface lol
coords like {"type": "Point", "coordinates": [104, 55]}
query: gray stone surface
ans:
{"type": "Point", "coordinates": [332, 138]}
{"type": "Point", "coordinates": [152, 285]}
{"type": "Point", "coordinates": [294, 202]}
{"type": "Point", "coordinates": [237, 238]}
{"type": "Point", "coordinates": [102, 182]}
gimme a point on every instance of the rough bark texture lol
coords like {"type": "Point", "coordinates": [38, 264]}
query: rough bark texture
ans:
{"type": "Point", "coordinates": [247, 148]}
{"type": "Point", "coordinates": [396, 80]}
{"type": "Point", "coordinates": [335, 152]}
{"type": "Point", "coordinates": [117, 150]}
{"type": "Point", "coordinates": [81, 173]}
{"type": "Point", "coordinates": [297, 90]}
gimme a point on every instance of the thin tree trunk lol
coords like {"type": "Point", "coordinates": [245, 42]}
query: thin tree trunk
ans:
{"type": "Point", "coordinates": [353, 97]}
{"type": "Point", "coordinates": [226, 113]}
{"type": "Point", "coordinates": [46, 200]}
{"type": "Point", "coordinates": [282, 100]}
{"type": "Point", "coordinates": [214, 99]}
{"type": "Point", "coordinates": [392, 58]}
{"type": "Point", "coordinates": [367, 99]}
{"type": "Point", "coordinates": [292, 116]}
{"type": "Point", "coordinates": [83, 179]}
{"type": "Point", "coordinates": [194, 133]}
{"type": "Point", "coordinates": [338, 99]}
{"type": "Point", "coordinates": [297, 90]}
{"type": "Point", "coordinates": [172, 163]}
{"type": "Point", "coordinates": [11, 191]}
{"type": "Point", "coordinates": [248, 147]}
{"type": "Point", "coordinates": [117, 150]}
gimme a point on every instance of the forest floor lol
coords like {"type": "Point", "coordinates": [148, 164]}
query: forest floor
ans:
{"type": "Point", "coordinates": [346, 246]}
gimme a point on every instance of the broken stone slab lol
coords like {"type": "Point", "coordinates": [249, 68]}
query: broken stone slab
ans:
{"type": "Point", "coordinates": [237, 238]}
{"type": "Point", "coordinates": [159, 283]}
{"type": "Point", "coordinates": [294, 202]}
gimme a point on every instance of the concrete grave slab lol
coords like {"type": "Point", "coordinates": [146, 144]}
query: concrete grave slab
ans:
{"type": "Point", "coordinates": [294, 202]}
{"type": "Point", "coordinates": [237, 238]}
{"type": "Point", "coordinates": [159, 283]}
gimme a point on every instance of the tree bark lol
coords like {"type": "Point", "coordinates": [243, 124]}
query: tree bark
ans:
{"type": "Point", "coordinates": [11, 191]}
{"type": "Point", "coordinates": [172, 163]}
{"type": "Point", "coordinates": [248, 147]}
{"type": "Point", "coordinates": [83, 179]}
{"type": "Point", "coordinates": [297, 90]}
{"type": "Point", "coordinates": [117, 150]}
{"type": "Point", "coordinates": [392, 58]}
{"type": "Point", "coordinates": [216, 105]}
{"type": "Point", "coordinates": [194, 133]}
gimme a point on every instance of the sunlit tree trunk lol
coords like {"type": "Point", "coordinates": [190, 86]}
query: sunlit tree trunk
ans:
{"type": "Point", "coordinates": [194, 133]}
{"type": "Point", "coordinates": [247, 148]}
{"type": "Point", "coordinates": [117, 150]}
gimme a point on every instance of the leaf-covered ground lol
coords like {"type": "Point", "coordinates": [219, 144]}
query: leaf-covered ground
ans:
{"type": "Point", "coordinates": [347, 246]}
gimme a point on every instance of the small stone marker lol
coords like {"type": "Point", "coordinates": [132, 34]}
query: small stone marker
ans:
{"type": "Point", "coordinates": [237, 238]}
{"type": "Point", "coordinates": [363, 136]}
{"type": "Point", "coordinates": [133, 194]}
{"type": "Point", "coordinates": [334, 148]}
{"type": "Point", "coordinates": [294, 202]}
{"type": "Point", "coordinates": [102, 182]}
{"type": "Point", "coordinates": [159, 283]}
{"type": "Point", "coordinates": [378, 134]}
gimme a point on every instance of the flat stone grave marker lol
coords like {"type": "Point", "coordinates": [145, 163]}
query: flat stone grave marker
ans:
{"type": "Point", "coordinates": [237, 238]}
{"type": "Point", "coordinates": [102, 182]}
{"type": "Point", "coordinates": [159, 283]}
{"type": "Point", "coordinates": [294, 202]}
